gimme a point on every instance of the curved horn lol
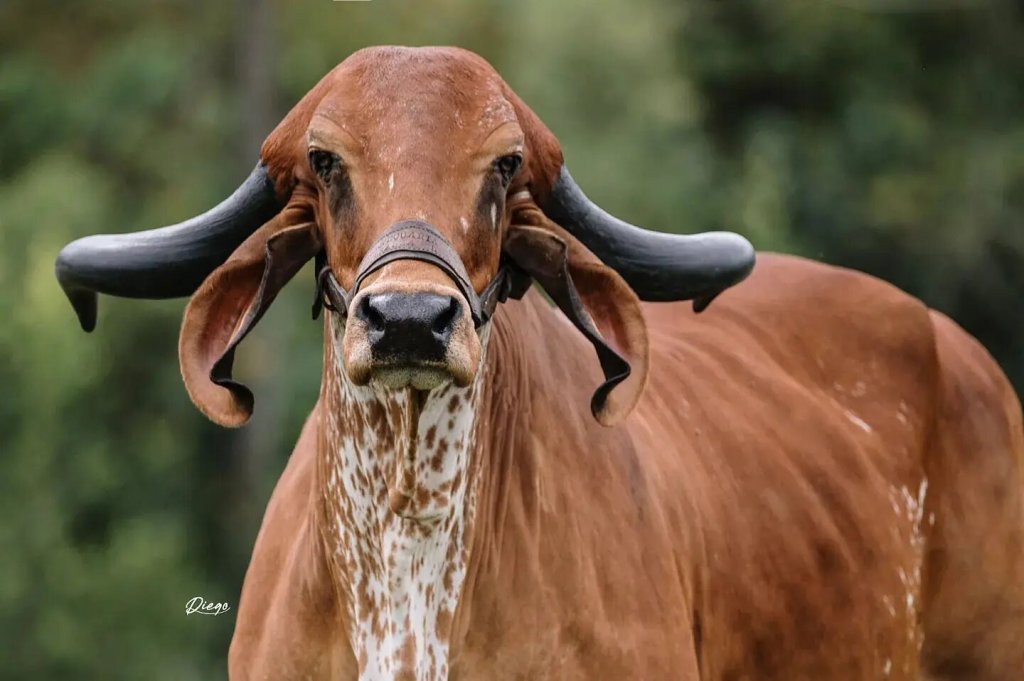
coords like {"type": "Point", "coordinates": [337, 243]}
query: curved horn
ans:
{"type": "Point", "coordinates": [657, 266]}
{"type": "Point", "coordinates": [169, 262]}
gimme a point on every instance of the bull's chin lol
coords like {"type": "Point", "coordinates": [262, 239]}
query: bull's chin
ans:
{"type": "Point", "coordinates": [422, 377]}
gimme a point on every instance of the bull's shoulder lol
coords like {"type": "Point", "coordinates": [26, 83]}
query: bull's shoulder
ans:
{"type": "Point", "coordinates": [810, 357]}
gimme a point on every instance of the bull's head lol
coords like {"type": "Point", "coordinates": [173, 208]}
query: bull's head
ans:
{"type": "Point", "coordinates": [427, 192]}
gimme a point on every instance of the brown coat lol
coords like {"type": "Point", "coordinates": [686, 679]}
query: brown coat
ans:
{"type": "Point", "coordinates": [823, 480]}
{"type": "Point", "coordinates": [817, 479]}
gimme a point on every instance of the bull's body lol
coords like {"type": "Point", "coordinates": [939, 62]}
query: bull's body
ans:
{"type": "Point", "coordinates": [822, 481]}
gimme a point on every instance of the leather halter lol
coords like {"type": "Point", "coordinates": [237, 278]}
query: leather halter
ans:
{"type": "Point", "coordinates": [417, 240]}
{"type": "Point", "coordinates": [519, 267]}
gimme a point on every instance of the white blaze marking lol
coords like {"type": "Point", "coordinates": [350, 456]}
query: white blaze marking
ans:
{"type": "Point", "coordinates": [494, 215]}
{"type": "Point", "coordinates": [465, 224]}
{"type": "Point", "coordinates": [391, 183]}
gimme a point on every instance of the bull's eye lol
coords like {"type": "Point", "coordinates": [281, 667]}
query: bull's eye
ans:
{"type": "Point", "coordinates": [508, 166]}
{"type": "Point", "coordinates": [323, 163]}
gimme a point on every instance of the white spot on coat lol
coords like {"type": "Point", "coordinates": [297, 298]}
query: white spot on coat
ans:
{"type": "Point", "coordinates": [857, 421]}
{"type": "Point", "coordinates": [404, 573]}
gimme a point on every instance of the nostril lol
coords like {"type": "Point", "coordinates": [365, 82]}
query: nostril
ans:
{"type": "Point", "coordinates": [445, 320]}
{"type": "Point", "coordinates": [371, 314]}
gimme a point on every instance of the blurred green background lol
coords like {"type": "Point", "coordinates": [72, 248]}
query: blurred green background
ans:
{"type": "Point", "coordinates": [882, 135]}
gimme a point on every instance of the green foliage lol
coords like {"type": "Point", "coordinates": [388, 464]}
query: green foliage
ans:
{"type": "Point", "coordinates": [887, 141]}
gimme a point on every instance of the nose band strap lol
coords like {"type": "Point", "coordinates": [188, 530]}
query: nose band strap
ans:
{"type": "Point", "coordinates": [417, 240]}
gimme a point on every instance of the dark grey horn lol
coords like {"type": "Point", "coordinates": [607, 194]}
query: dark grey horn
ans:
{"type": "Point", "coordinates": [657, 266]}
{"type": "Point", "coordinates": [169, 262]}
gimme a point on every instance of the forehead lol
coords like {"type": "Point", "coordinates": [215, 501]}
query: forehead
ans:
{"type": "Point", "coordinates": [393, 94]}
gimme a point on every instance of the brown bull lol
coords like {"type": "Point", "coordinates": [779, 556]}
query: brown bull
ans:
{"type": "Point", "coordinates": [818, 478]}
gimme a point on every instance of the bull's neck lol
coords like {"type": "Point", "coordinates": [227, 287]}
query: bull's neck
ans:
{"type": "Point", "coordinates": [399, 484]}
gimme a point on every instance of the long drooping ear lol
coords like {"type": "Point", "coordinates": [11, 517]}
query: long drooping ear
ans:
{"type": "Point", "coordinates": [228, 305]}
{"type": "Point", "coordinates": [595, 299]}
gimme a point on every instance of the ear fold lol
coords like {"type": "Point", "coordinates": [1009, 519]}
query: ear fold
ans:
{"type": "Point", "coordinates": [596, 300]}
{"type": "Point", "coordinates": [228, 305]}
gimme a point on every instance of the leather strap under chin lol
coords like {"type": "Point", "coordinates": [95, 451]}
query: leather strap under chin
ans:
{"type": "Point", "coordinates": [417, 240]}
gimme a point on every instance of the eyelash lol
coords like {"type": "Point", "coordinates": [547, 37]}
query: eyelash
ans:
{"type": "Point", "coordinates": [508, 166]}
{"type": "Point", "coordinates": [323, 163]}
